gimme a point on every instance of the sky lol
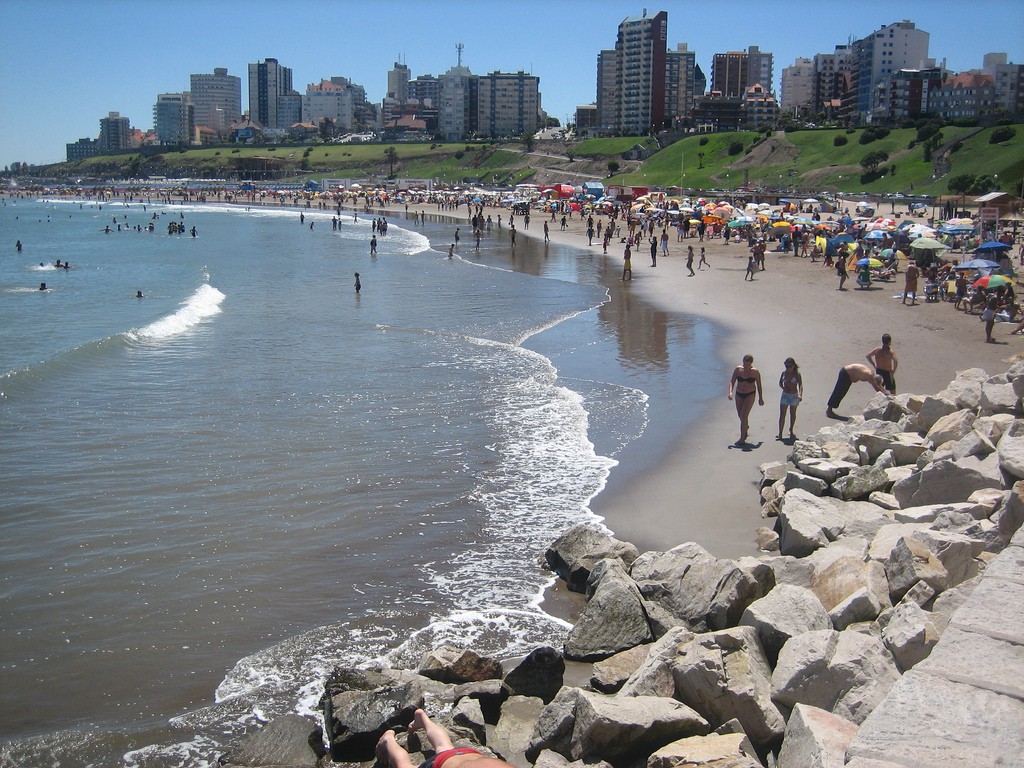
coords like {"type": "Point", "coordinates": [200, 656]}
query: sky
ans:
{"type": "Point", "coordinates": [67, 63]}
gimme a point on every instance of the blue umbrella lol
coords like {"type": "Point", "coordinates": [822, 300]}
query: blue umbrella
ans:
{"type": "Point", "coordinates": [843, 238]}
{"type": "Point", "coordinates": [977, 264]}
{"type": "Point", "coordinates": [957, 229]}
{"type": "Point", "coordinates": [875, 234]}
{"type": "Point", "coordinates": [992, 246]}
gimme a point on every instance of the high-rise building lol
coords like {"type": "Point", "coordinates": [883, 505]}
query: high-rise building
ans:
{"type": "Point", "coordinates": [216, 99]}
{"type": "Point", "coordinates": [268, 83]}
{"type": "Point", "coordinates": [607, 92]}
{"type": "Point", "coordinates": [173, 118]}
{"type": "Point", "coordinates": [798, 87]}
{"type": "Point", "coordinates": [640, 73]}
{"type": "Point", "coordinates": [681, 81]}
{"type": "Point", "coordinates": [115, 132]}
{"type": "Point", "coordinates": [457, 117]}
{"type": "Point", "coordinates": [734, 72]}
{"type": "Point", "coordinates": [880, 55]}
{"type": "Point", "coordinates": [508, 104]}
{"type": "Point", "coordinates": [398, 82]}
{"type": "Point", "coordinates": [1008, 80]}
{"type": "Point", "coordinates": [831, 79]}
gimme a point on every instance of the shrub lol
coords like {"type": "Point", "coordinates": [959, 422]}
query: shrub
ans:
{"type": "Point", "coordinates": [735, 147]}
{"type": "Point", "coordinates": [839, 141]}
{"type": "Point", "coordinates": [1001, 134]}
{"type": "Point", "coordinates": [703, 140]}
{"type": "Point", "coordinates": [873, 133]}
{"type": "Point", "coordinates": [459, 154]}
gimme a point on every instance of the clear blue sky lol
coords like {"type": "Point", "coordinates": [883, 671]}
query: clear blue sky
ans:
{"type": "Point", "coordinates": [67, 63]}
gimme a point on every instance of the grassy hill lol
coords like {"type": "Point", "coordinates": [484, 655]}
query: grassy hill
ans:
{"type": "Point", "coordinates": [809, 160]}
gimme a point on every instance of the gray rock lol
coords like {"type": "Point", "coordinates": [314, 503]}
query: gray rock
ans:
{"type": "Point", "coordinates": [884, 500]}
{"type": "Point", "coordinates": [714, 750]}
{"type": "Point", "coordinates": [998, 397]}
{"type": "Point", "coordinates": [815, 738]}
{"type": "Point", "coordinates": [860, 483]}
{"type": "Point", "coordinates": [908, 633]}
{"type": "Point", "coordinates": [490, 694]}
{"type": "Point", "coordinates": [783, 613]}
{"type": "Point", "coordinates": [613, 620]}
{"type": "Point", "coordinates": [928, 513]}
{"type": "Point", "coordinates": [725, 675]}
{"type": "Point", "coordinates": [910, 562]}
{"type": "Point", "coordinates": [947, 481]}
{"type": "Point", "coordinates": [538, 675]}
{"type": "Point", "coordinates": [468, 714]}
{"type": "Point", "coordinates": [511, 736]}
{"type": "Point", "coordinates": [825, 469]}
{"type": "Point", "coordinates": [1011, 455]}
{"type": "Point", "coordinates": [808, 483]}
{"type": "Point", "coordinates": [356, 719]}
{"type": "Point", "coordinates": [884, 408]}
{"type": "Point", "coordinates": [772, 472]}
{"type": "Point", "coordinates": [884, 541]}
{"type": "Point", "coordinates": [804, 449]}
{"type": "Point", "coordinates": [807, 523]}
{"type": "Point", "coordinates": [549, 759]}
{"type": "Point", "coordinates": [790, 570]}
{"type": "Point", "coordinates": [449, 664]}
{"type": "Point", "coordinates": [845, 673]}
{"type": "Point", "coordinates": [767, 540]}
{"type": "Point", "coordinates": [951, 427]}
{"type": "Point", "coordinates": [1009, 515]}
{"type": "Point", "coordinates": [972, 444]}
{"type": "Point", "coordinates": [934, 408]}
{"type": "Point", "coordinates": [575, 552]}
{"type": "Point", "coordinates": [695, 586]}
{"type": "Point", "coordinates": [290, 741]}
{"type": "Point", "coordinates": [859, 606]}
{"type": "Point", "coordinates": [955, 551]}
{"type": "Point", "coordinates": [654, 675]}
{"type": "Point", "coordinates": [965, 390]}
{"type": "Point", "coordinates": [581, 725]}
{"type": "Point", "coordinates": [611, 674]}
{"type": "Point", "coordinates": [839, 580]}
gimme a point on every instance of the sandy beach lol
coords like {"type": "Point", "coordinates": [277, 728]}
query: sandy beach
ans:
{"type": "Point", "coordinates": [792, 309]}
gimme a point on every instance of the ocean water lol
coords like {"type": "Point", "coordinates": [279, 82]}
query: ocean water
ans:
{"type": "Point", "coordinates": [212, 496]}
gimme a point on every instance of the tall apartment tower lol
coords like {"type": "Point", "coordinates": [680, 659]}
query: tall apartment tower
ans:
{"type": "Point", "coordinates": [114, 132]}
{"type": "Point", "coordinates": [508, 104]}
{"type": "Point", "coordinates": [640, 73]}
{"type": "Point", "coordinates": [269, 83]}
{"type": "Point", "coordinates": [681, 81]}
{"type": "Point", "coordinates": [733, 72]}
{"type": "Point", "coordinates": [398, 82]}
{"type": "Point", "coordinates": [216, 99]}
{"type": "Point", "coordinates": [879, 56]}
{"type": "Point", "coordinates": [798, 87]}
{"type": "Point", "coordinates": [607, 92]}
{"type": "Point", "coordinates": [457, 113]}
{"type": "Point", "coordinates": [831, 77]}
{"type": "Point", "coordinates": [173, 118]}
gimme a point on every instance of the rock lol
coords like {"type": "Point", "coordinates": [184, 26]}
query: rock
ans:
{"type": "Point", "coordinates": [947, 481]}
{"type": "Point", "coordinates": [860, 518]}
{"type": "Point", "coordinates": [290, 741]}
{"type": "Point", "coordinates": [825, 469]}
{"type": "Point", "coordinates": [767, 540]}
{"type": "Point", "coordinates": [695, 586]}
{"type": "Point", "coordinates": [986, 501]}
{"type": "Point", "coordinates": [815, 738]}
{"type": "Point", "coordinates": [806, 523]}
{"type": "Point", "coordinates": [927, 513]}
{"type": "Point", "coordinates": [894, 475]}
{"type": "Point", "coordinates": [1009, 515]}
{"type": "Point", "coordinates": [884, 408]}
{"type": "Point", "coordinates": [955, 551]}
{"type": "Point", "coordinates": [910, 562]}
{"type": "Point", "coordinates": [613, 620]}
{"type": "Point", "coordinates": [578, 549]}
{"type": "Point", "coordinates": [449, 664]}
{"type": "Point", "coordinates": [933, 409]}
{"type": "Point", "coordinates": [540, 674]}
{"type": "Point", "coordinates": [772, 472]}
{"type": "Point", "coordinates": [965, 390]}
{"type": "Point", "coordinates": [845, 673]}
{"type": "Point", "coordinates": [725, 675]}
{"type": "Point", "coordinates": [468, 714]}
{"type": "Point", "coordinates": [998, 397]}
{"type": "Point", "coordinates": [783, 613]}
{"type": "Point", "coordinates": [908, 633]}
{"type": "Point", "coordinates": [859, 483]}
{"type": "Point", "coordinates": [582, 725]}
{"type": "Point", "coordinates": [839, 580]}
{"type": "Point", "coordinates": [355, 720]}
{"type": "Point", "coordinates": [1011, 456]}
{"type": "Point", "coordinates": [713, 751]}
{"type": "Point", "coordinates": [808, 483]}
{"type": "Point", "coordinates": [920, 594]}
{"type": "Point", "coordinates": [654, 676]}
{"type": "Point", "coordinates": [549, 759]}
{"type": "Point", "coordinates": [805, 449]}
{"type": "Point", "coordinates": [491, 694]}
{"type": "Point", "coordinates": [861, 605]}
{"type": "Point", "coordinates": [511, 736]}
{"type": "Point", "coordinates": [611, 674]}
{"type": "Point", "coordinates": [972, 444]}
{"type": "Point", "coordinates": [884, 500]}
{"type": "Point", "coordinates": [790, 570]}
{"type": "Point", "coordinates": [951, 427]}
{"type": "Point", "coordinates": [884, 541]}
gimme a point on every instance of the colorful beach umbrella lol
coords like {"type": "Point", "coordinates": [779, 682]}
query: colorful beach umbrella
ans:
{"type": "Point", "coordinates": [928, 244]}
{"type": "Point", "coordinates": [991, 281]}
{"type": "Point", "coordinates": [873, 263]}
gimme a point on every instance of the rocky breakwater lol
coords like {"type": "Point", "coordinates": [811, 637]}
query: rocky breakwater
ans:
{"type": "Point", "coordinates": [879, 627]}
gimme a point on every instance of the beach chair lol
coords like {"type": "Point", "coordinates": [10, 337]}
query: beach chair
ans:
{"type": "Point", "coordinates": [931, 293]}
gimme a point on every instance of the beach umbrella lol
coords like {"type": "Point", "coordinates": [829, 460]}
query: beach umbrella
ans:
{"type": "Point", "coordinates": [712, 219]}
{"type": "Point", "coordinates": [992, 246]}
{"type": "Point", "coordinates": [843, 238]}
{"type": "Point", "coordinates": [928, 244]}
{"type": "Point", "coordinates": [875, 234]}
{"type": "Point", "coordinates": [990, 281]}
{"type": "Point", "coordinates": [886, 253]}
{"type": "Point", "coordinates": [977, 264]}
{"type": "Point", "coordinates": [873, 263]}
{"type": "Point", "coordinates": [955, 229]}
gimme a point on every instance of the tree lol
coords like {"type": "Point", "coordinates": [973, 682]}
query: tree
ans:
{"type": "Point", "coordinates": [391, 155]}
{"type": "Point", "coordinates": [872, 160]}
{"type": "Point", "coordinates": [960, 185]}
{"type": "Point", "coordinates": [613, 167]}
{"type": "Point", "coordinates": [528, 142]}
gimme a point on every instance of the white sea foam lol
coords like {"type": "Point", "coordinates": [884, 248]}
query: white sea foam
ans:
{"type": "Point", "coordinates": [204, 303]}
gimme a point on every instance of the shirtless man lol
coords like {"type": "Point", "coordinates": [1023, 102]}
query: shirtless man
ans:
{"type": "Point", "coordinates": [885, 363]}
{"type": "Point", "coordinates": [847, 376]}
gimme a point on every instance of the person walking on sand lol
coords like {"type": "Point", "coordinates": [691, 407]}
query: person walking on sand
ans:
{"type": "Point", "coordinates": [792, 385]}
{"type": "Point", "coordinates": [654, 251]}
{"type": "Point", "coordinates": [988, 314]}
{"type": "Point", "coordinates": [849, 374]}
{"type": "Point", "coordinates": [744, 384]}
{"type": "Point", "coordinates": [627, 264]}
{"type": "Point", "coordinates": [885, 363]}
{"type": "Point", "coordinates": [910, 287]}
{"type": "Point", "coordinates": [751, 268]}
{"type": "Point", "coordinates": [703, 260]}
{"type": "Point", "coordinates": [689, 260]}
{"type": "Point", "coordinates": [841, 273]}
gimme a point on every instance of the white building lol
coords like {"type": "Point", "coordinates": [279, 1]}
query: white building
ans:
{"type": "Point", "coordinates": [798, 87]}
{"type": "Point", "coordinates": [216, 99]}
{"type": "Point", "coordinates": [329, 99]}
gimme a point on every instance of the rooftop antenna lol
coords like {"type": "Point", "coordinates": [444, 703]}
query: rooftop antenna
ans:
{"type": "Point", "coordinates": [459, 48]}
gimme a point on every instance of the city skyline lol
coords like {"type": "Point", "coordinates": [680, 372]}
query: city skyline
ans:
{"type": "Point", "coordinates": [69, 63]}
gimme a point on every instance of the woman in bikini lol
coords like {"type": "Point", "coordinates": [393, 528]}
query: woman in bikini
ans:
{"type": "Point", "coordinates": [792, 385]}
{"type": "Point", "coordinates": [390, 753]}
{"type": "Point", "coordinates": [744, 384]}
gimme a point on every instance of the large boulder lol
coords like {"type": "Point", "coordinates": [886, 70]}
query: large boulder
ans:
{"type": "Point", "coordinates": [783, 613]}
{"type": "Point", "coordinates": [934, 408]}
{"type": "Point", "coordinates": [947, 481]}
{"type": "Point", "coordinates": [839, 580]}
{"type": "Point", "coordinates": [695, 586]}
{"type": "Point", "coordinates": [613, 620]}
{"type": "Point", "coordinates": [998, 396]}
{"type": "Point", "coordinates": [654, 675]}
{"type": "Point", "coordinates": [806, 523]}
{"type": "Point", "coordinates": [911, 562]}
{"type": "Point", "coordinates": [951, 427]}
{"type": "Point", "coordinates": [725, 675]}
{"type": "Point", "coordinates": [1011, 455]}
{"type": "Point", "coordinates": [287, 742]}
{"type": "Point", "coordinates": [511, 736]}
{"type": "Point", "coordinates": [356, 719]}
{"type": "Point", "coordinates": [965, 390]}
{"type": "Point", "coordinates": [815, 739]}
{"type": "Point", "coordinates": [908, 633]}
{"type": "Point", "coordinates": [860, 483]}
{"type": "Point", "coordinates": [582, 725]}
{"type": "Point", "coordinates": [845, 673]}
{"type": "Point", "coordinates": [716, 750]}
{"type": "Point", "coordinates": [540, 674]}
{"type": "Point", "coordinates": [611, 674]}
{"type": "Point", "coordinates": [449, 664]}
{"type": "Point", "coordinates": [573, 554]}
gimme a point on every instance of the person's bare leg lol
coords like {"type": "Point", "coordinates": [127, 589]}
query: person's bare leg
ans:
{"type": "Point", "coordinates": [439, 738]}
{"type": "Point", "coordinates": [388, 749]}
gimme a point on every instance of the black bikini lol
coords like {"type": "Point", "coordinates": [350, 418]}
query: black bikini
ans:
{"type": "Point", "coordinates": [748, 380]}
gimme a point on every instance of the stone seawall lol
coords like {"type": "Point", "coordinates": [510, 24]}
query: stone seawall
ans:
{"type": "Point", "coordinates": [880, 627]}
